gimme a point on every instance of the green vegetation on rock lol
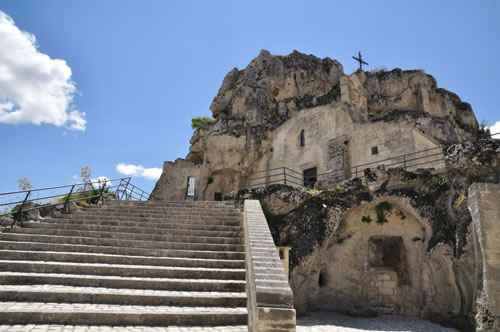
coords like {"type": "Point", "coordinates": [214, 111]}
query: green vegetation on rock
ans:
{"type": "Point", "coordinates": [200, 121]}
{"type": "Point", "coordinates": [382, 209]}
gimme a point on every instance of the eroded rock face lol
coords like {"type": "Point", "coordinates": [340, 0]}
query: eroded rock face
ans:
{"type": "Point", "coordinates": [396, 241]}
{"type": "Point", "coordinates": [257, 108]}
{"type": "Point", "coordinates": [272, 87]}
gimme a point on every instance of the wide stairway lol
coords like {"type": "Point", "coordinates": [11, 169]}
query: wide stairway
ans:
{"type": "Point", "coordinates": [127, 264]}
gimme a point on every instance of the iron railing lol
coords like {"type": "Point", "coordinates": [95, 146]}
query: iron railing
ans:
{"type": "Point", "coordinates": [283, 175]}
{"type": "Point", "coordinates": [120, 188]}
{"type": "Point", "coordinates": [429, 158]}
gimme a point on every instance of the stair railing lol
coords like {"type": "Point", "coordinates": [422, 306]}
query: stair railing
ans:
{"type": "Point", "coordinates": [90, 191]}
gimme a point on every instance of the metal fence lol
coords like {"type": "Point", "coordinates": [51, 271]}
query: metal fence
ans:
{"type": "Point", "coordinates": [429, 158]}
{"type": "Point", "coordinates": [14, 204]}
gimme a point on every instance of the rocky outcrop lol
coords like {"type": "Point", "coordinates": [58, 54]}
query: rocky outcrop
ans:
{"type": "Point", "coordinates": [394, 241]}
{"type": "Point", "coordinates": [274, 90]}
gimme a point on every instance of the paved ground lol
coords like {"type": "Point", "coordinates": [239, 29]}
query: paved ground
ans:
{"type": "Point", "coordinates": [331, 322]}
{"type": "Point", "coordinates": [314, 322]}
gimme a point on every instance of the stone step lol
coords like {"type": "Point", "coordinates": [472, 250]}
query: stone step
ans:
{"type": "Point", "coordinates": [119, 242]}
{"type": "Point", "coordinates": [203, 204]}
{"type": "Point", "coordinates": [183, 211]}
{"type": "Point", "coordinates": [122, 270]}
{"type": "Point", "coordinates": [128, 236]}
{"type": "Point", "coordinates": [178, 284]}
{"type": "Point", "coordinates": [124, 296]}
{"type": "Point", "coordinates": [198, 220]}
{"type": "Point", "coordinates": [137, 230]}
{"type": "Point", "coordinates": [127, 263]}
{"type": "Point", "coordinates": [118, 315]}
{"type": "Point", "coordinates": [41, 246]}
{"type": "Point", "coordinates": [164, 210]}
{"type": "Point", "coordinates": [145, 224]}
{"type": "Point", "coordinates": [171, 216]}
{"type": "Point", "coordinates": [119, 259]}
{"type": "Point", "coordinates": [109, 328]}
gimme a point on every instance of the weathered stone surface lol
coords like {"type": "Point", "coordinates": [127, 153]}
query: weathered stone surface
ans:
{"type": "Point", "coordinates": [260, 111]}
{"type": "Point", "coordinates": [337, 264]}
{"type": "Point", "coordinates": [4, 222]}
{"type": "Point", "coordinates": [270, 299]}
{"type": "Point", "coordinates": [33, 212]}
{"type": "Point", "coordinates": [484, 205]}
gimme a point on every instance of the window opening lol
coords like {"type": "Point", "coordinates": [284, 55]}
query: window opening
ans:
{"type": "Point", "coordinates": [374, 150]}
{"type": "Point", "coordinates": [302, 138]}
{"type": "Point", "coordinates": [190, 186]}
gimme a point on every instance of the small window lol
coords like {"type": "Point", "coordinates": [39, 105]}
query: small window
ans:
{"type": "Point", "coordinates": [190, 186]}
{"type": "Point", "coordinates": [217, 196]}
{"type": "Point", "coordinates": [374, 150]}
{"type": "Point", "coordinates": [302, 138]}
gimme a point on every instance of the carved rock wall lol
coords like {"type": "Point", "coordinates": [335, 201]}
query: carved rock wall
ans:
{"type": "Point", "coordinates": [255, 104]}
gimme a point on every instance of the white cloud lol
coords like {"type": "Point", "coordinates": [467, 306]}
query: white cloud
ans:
{"type": "Point", "coordinates": [495, 129]}
{"type": "Point", "coordinates": [139, 170]}
{"type": "Point", "coordinates": [101, 181]}
{"type": "Point", "coordinates": [33, 87]}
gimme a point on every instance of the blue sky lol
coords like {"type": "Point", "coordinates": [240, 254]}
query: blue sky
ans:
{"type": "Point", "coordinates": [140, 70]}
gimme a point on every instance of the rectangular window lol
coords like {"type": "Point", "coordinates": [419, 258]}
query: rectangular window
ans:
{"type": "Point", "coordinates": [190, 188]}
{"type": "Point", "coordinates": [374, 150]}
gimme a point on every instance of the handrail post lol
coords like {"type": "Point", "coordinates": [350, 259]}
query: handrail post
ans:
{"type": "Point", "coordinates": [125, 190]}
{"type": "Point", "coordinates": [101, 195]}
{"type": "Point", "coordinates": [117, 190]}
{"type": "Point", "coordinates": [142, 193]}
{"type": "Point", "coordinates": [20, 211]}
{"type": "Point", "coordinates": [404, 162]}
{"type": "Point", "coordinates": [66, 203]}
{"type": "Point", "coordinates": [284, 175]}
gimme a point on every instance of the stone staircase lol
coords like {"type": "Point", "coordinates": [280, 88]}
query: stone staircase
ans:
{"type": "Point", "coordinates": [127, 263]}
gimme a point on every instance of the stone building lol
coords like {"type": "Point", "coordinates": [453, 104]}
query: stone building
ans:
{"type": "Point", "coordinates": [304, 114]}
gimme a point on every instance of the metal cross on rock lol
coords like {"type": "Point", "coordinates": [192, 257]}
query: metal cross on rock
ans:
{"type": "Point", "coordinates": [360, 60]}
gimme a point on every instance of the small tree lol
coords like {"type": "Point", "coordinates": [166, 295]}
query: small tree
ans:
{"type": "Point", "coordinates": [200, 121]}
{"type": "Point", "coordinates": [24, 184]}
{"type": "Point", "coordinates": [85, 174]}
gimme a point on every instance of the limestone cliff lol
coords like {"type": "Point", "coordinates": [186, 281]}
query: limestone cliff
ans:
{"type": "Point", "coordinates": [273, 90]}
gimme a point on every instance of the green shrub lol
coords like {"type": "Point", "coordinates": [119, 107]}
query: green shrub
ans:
{"type": "Point", "coordinates": [379, 71]}
{"type": "Point", "coordinates": [200, 121]}
{"type": "Point", "coordinates": [84, 199]}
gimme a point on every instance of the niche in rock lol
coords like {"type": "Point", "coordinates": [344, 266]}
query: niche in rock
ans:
{"type": "Point", "coordinates": [388, 252]}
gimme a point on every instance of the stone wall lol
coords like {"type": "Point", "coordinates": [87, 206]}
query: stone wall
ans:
{"type": "Point", "coordinates": [484, 204]}
{"type": "Point", "coordinates": [173, 183]}
{"type": "Point", "coordinates": [334, 144]}
{"type": "Point", "coordinates": [270, 299]}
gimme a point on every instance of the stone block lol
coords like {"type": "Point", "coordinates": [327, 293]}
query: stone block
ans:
{"type": "Point", "coordinates": [389, 284]}
{"type": "Point", "coordinates": [386, 291]}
